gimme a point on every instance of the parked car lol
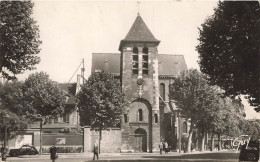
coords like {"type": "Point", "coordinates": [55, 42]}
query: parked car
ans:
{"type": "Point", "coordinates": [249, 152]}
{"type": "Point", "coordinates": [24, 150]}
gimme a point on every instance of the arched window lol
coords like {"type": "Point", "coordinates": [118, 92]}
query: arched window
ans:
{"type": "Point", "coordinates": [162, 90]}
{"type": "Point", "coordinates": [184, 127]}
{"type": "Point", "coordinates": [135, 60]}
{"type": "Point", "coordinates": [145, 50]}
{"type": "Point", "coordinates": [140, 115]}
{"type": "Point", "coordinates": [135, 50]}
{"type": "Point", "coordinates": [125, 118]}
{"type": "Point", "coordinates": [155, 118]}
{"type": "Point", "coordinates": [145, 60]}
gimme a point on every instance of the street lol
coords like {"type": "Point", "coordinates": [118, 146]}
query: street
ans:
{"type": "Point", "coordinates": [226, 156]}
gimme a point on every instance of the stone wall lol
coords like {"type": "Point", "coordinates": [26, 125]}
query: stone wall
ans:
{"type": "Point", "coordinates": [110, 143]}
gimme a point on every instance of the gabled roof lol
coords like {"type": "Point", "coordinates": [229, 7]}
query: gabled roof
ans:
{"type": "Point", "coordinates": [139, 32]}
{"type": "Point", "coordinates": [169, 65]}
{"type": "Point", "coordinates": [72, 99]}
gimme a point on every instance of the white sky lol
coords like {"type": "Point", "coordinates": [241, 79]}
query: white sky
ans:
{"type": "Point", "coordinates": [73, 30]}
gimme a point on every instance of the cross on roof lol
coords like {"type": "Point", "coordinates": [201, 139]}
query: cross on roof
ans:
{"type": "Point", "coordinates": [138, 6]}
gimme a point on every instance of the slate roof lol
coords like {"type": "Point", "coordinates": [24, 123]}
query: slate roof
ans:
{"type": "Point", "coordinates": [72, 99]}
{"type": "Point", "coordinates": [169, 65]}
{"type": "Point", "coordinates": [139, 32]}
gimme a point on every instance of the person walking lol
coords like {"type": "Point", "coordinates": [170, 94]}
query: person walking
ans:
{"type": "Point", "coordinates": [95, 150]}
{"type": "Point", "coordinates": [161, 147]}
{"type": "Point", "coordinates": [166, 147]}
{"type": "Point", "coordinates": [53, 152]}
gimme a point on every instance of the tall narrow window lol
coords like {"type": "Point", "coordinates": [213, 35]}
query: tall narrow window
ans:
{"type": "Point", "coordinates": [145, 60]}
{"type": "Point", "coordinates": [125, 118]}
{"type": "Point", "coordinates": [140, 115]}
{"type": "Point", "coordinates": [155, 118]}
{"type": "Point", "coordinates": [185, 127]}
{"type": "Point", "coordinates": [135, 60]}
{"type": "Point", "coordinates": [64, 117]}
{"type": "Point", "coordinates": [162, 91]}
{"type": "Point", "coordinates": [56, 119]}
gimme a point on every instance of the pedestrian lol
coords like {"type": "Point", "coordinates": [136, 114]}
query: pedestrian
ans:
{"type": "Point", "coordinates": [53, 152]}
{"type": "Point", "coordinates": [161, 147]}
{"type": "Point", "coordinates": [166, 147]}
{"type": "Point", "coordinates": [95, 150]}
{"type": "Point", "coordinates": [2, 150]}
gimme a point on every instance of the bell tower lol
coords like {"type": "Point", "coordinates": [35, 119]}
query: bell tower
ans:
{"type": "Point", "coordinates": [139, 79]}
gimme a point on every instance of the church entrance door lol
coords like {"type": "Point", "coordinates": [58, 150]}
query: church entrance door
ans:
{"type": "Point", "coordinates": [140, 140]}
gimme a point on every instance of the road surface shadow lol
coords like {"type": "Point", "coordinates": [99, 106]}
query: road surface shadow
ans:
{"type": "Point", "coordinates": [214, 155]}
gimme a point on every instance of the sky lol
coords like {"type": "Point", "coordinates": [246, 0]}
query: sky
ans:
{"type": "Point", "coordinates": [73, 30]}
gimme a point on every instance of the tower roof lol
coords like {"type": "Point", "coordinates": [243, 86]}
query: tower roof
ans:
{"type": "Point", "coordinates": [139, 32]}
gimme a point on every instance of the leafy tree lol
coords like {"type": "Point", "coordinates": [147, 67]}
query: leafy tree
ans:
{"type": "Point", "coordinates": [19, 38]}
{"type": "Point", "coordinates": [251, 128]}
{"type": "Point", "coordinates": [11, 96]}
{"type": "Point", "coordinates": [42, 96]}
{"type": "Point", "coordinates": [10, 106]}
{"type": "Point", "coordinates": [191, 94]}
{"type": "Point", "coordinates": [100, 102]}
{"type": "Point", "coordinates": [229, 49]}
{"type": "Point", "coordinates": [11, 122]}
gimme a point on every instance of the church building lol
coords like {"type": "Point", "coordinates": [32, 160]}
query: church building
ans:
{"type": "Point", "coordinates": [145, 77]}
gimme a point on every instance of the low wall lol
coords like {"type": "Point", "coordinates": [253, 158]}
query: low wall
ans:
{"type": "Point", "coordinates": [65, 143]}
{"type": "Point", "coordinates": [110, 141]}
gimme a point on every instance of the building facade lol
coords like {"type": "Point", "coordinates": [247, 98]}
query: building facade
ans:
{"type": "Point", "coordinates": [145, 76]}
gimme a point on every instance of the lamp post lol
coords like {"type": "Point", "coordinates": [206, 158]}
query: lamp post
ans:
{"type": "Point", "coordinates": [39, 117]}
{"type": "Point", "coordinates": [179, 131]}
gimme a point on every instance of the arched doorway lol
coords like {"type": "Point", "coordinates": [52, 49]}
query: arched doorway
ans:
{"type": "Point", "coordinates": [141, 139]}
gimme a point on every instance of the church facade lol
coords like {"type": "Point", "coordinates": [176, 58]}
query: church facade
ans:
{"type": "Point", "coordinates": [145, 77]}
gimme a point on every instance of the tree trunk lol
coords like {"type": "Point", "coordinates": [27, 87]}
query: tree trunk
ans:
{"type": "Point", "coordinates": [207, 140]}
{"type": "Point", "coordinates": [212, 142]}
{"type": "Point", "coordinates": [100, 135]}
{"type": "Point", "coordinates": [190, 138]}
{"type": "Point", "coordinates": [219, 142]}
{"type": "Point", "coordinates": [203, 140]}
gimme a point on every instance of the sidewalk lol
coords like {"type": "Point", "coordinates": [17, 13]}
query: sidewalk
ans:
{"type": "Point", "coordinates": [90, 155]}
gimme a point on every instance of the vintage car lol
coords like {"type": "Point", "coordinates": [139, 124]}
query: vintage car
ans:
{"type": "Point", "coordinates": [249, 152]}
{"type": "Point", "coordinates": [24, 150]}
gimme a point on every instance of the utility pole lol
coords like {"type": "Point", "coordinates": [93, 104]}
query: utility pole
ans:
{"type": "Point", "coordinates": [82, 71]}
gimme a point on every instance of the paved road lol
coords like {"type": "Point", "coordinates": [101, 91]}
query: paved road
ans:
{"type": "Point", "coordinates": [225, 156]}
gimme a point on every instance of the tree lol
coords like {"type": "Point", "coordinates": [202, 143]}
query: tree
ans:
{"type": "Point", "coordinates": [229, 49]}
{"type": "Point", "coordinates": [11, 96]}
{"type": "Point", "coordinates": [100, 102]}
{"type": "Point", "coordinates": [192, 95]}
{"type": "Point", "coordinates": [11, 122]}
{"type": "Point", "coordinates": [19, 38]}
{"type": "Point", "coordinates": [42, 96]}
{"type": "Point", "coordinates": [10, 106]}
